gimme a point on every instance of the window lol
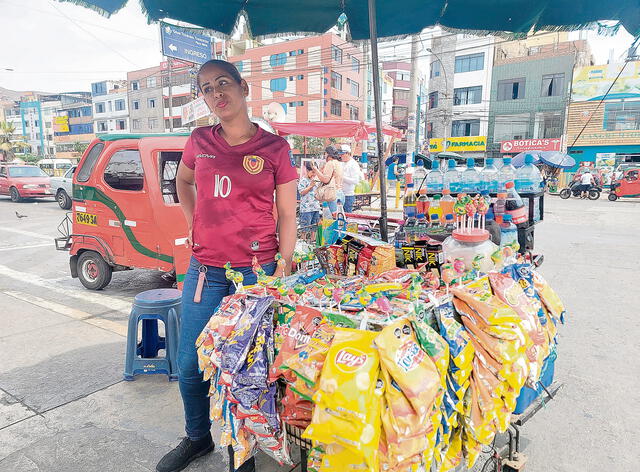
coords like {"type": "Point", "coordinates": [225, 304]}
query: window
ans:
{"type": "Point", "coordinates": [278, 85]}
{"type": "Point", "coordinates": [623, 116]}
{"type": "Point", "coordinates": [465, 128]}
{"type": "Point", "coordinates": [119, 105]}
{"type": "Point", "coordinates": [434, 70]}
{"type": "Point", "coordinates": [469, 63]}
{"type": "Point", "coordinates": [102, 126]}
{"type": "Point", "coordinates": [355, 87]}
{"type": "Point", "coordinates": [355, 64]}
{"type": "Point", "coordinates": [300, 51]}
{"type": "Point", "coordinates": [300, 77]}
{"type": "Point", "coordinates": [400, 94]}
{"type": "Point", "coordinates": [511, 89]}
{"type": "Point", "coordinates": [467, 95]}
{"type": "Point", "coordinates": [548, 125]}
{"type": "Point", "coordinates": [100, 107]}
{"type": "Point", "coordinates": [429, 130]}
{"type": "Point", "coordinates": [136, 104]}
{"type": "Point", "coordinates": [354, 112]}
{"type": "Point", "coordinates": [399, 116]}
{"type": "Point", "coordinates": [177, 101]}
{"type": "Point", "coordinates": [433, 100]}
{"type": "Point", "coordinates": [168, 169]}
{"type": "Point", "coordinates": [121, 124]}
{"type": "Point", "coordinates": [135, 124]}
{"type": "Point", "coordinates": [124, 171]}
{"type": "Point", "coordinates": [508, 127]}
{"type": "Point", "coordinates": [151, 102]}
{"type": "Point", "coordinates": [278, 59]}
{"type": "Point", "coordinates": [403, 76]}
{"type": "Point", "coordinates": [135, 85]}
{"type": "Point", "coordinates": [239, 65]}
{"type": "Point", "coordinates": [336, 107]}
{"type": "Point", "coordinates": [89, 162]}
{"type": "Point", "coordinates": [552, 85]}
{"type": "Point", "coordinates": [99, 88]}
{"type": "Point", "coordinates": [153, 123]}
{"type": "Point", "coordinates": [336, 80]}
{"type": "Point", "coordinates": [151, 82]}
{"type": "Point", "coordinates": [336, 54]}
{"type": "Point", "coordinates": [296, 104]}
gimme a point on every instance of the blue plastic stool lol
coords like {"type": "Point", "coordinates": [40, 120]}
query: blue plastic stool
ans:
{"type": "Point", "coordinates": [149, 307]}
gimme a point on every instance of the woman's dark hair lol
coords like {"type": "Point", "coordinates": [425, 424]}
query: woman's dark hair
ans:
{"type": "Point", "coordinates": [228, 67]}
{"type": "Point", "coordinates": [308, 166]}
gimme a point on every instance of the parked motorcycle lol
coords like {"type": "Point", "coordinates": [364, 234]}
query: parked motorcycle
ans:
{"type": "Point", "coordinates": [574, 190]}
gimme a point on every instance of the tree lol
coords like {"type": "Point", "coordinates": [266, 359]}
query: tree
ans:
{"type": "Point", "coordinates": [314, 145]}
{"type": "Point", "coordinates": [9, 141]}
{"type": "Point", "coordinates": [79, 148]}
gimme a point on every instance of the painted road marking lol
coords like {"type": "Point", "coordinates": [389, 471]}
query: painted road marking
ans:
{"type": "Point", "coordinates": [107, 301]}
{"type": "Point", "coordinates": [27, 233]}
{"type": "Point", "coordinates": [69, 312]}
{"type": "Point", "coordinates": [30, 246]}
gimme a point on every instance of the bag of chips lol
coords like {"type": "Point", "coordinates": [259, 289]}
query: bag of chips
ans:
{"type": "Point", "coordinates": [549, 297]}
{"type": "Point", "coordinates": [308, 364]}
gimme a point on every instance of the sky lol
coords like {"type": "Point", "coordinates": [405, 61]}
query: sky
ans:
{"type": "Point", "coordinates": [55, 47]}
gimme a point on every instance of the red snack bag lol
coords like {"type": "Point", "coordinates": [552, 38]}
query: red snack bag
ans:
{"type": "Point", "coordinates": [364, 261]}
{"type": "Point", "coordinates": [295, 336]}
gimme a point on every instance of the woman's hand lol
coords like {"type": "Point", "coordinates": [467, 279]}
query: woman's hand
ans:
{"type": "Point", "coordinates": [189, 241]}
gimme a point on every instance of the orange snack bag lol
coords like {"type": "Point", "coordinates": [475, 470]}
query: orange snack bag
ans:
{"type": "Point", "coordinates": [407, 364]}
{"type": "Point", "coordinates": [549, 298]}
{"type": "Point", "coordinates": [307, 364]}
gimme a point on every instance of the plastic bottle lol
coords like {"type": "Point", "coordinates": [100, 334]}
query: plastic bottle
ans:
{"type": "Point", "coordinates": [410, 229]}
{"type": "Point", "coordinates": [422, 228]}
{"type": "Point", "coordinates": [422, 203]}
{"type": "Point", "coordinates": [434, 206]}
{"type": "Point", "coordinates": [401, 237]}
{"type": "Point", "coordinates": [326, 211]}
{"type": "Point", "coordinates": [449, 225]}
{"type": "Point", "coordinates": [490, 176]}
{"type": "Point", "coordinates": [493, 227]}
{"type": "Point", "coordinates": [340, 215]}
{"type": "Point", "coordinates": [515, 206]}
{"type": "Point", "coordinates": [435, 223]}
{"type": "Point", "coordinates": [434, 180]}
{"type": "Point", "coordinates": [500, 205]}
{"type": "Point", "coordinates": [419, 174]}
{"type": "Point", "coordinates": [508, 231]}
{"type": "Point", "coordinates": [410, 202]}
{"type": "Point", "coordinates": [528, 178]}
{"type": "Point", "coordinates": [452, 177]}
{"type": "Point", "coordinates": [507, 174]}
{"type": "Point", "coordinates": [447, 202]}
{"type": "Point", "coordinates": [471, 177]}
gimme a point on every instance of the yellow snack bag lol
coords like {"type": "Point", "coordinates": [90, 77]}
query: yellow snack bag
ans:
{"type": "Point", "coordinates": [479, 297]}
{"type": "Point", "coordinates": [549, 297]}
{"type": "Point", "coordinates": [337, 457]}
{"type": "Point", "coordinates": [349, 374]}
{"type": "Point", "coordinates": [409, 366]}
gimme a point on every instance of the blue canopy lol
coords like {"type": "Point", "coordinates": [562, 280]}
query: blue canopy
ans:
{"type": "Point", "coordinates": [394, 18]}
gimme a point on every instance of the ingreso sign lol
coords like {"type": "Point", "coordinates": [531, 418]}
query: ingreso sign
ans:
{"type": "Point", "coordinates": [185, 45]}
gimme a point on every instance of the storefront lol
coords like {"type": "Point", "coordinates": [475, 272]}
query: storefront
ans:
{"type": "Point", "coordinates": [466, 146]}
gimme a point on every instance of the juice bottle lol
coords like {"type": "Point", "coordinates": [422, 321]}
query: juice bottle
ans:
{"type": "Point", "coordinates": [447, 202]}
{"type": "Point", "coordinates": [422, 204]}
{"type": "Point", "coordinates": [434, 207]}
{"type": "Point", "coordinates": [410, 202]}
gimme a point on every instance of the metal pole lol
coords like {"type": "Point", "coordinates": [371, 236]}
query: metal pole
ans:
{"type": "Point", "coordinates": [378, 108]}
{"type": "Point", "coordinates": [412, 118]}
{"type": "Point", "coordinates": [169, 65]}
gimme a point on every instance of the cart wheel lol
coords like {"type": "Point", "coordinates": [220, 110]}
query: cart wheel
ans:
{"type": "Point", "coordinates": [612, 197]}
{"type": "Point", "coordinates": [93, 271]}
{"type": "Point", "coordinates": [565, 193]}
{"type": "Point", "coordinates": [15, 195]}
{"type": "Point", "coordinates": [492, 465]}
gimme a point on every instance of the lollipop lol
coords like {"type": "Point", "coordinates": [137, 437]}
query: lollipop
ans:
{"type": "Point", "coordinates": [482, 205]}
{"type": "Point", "coordinates": [228, 273]}
{"type": "Point", "coordinates": [459, 267]}
{"type": "Point", "coordinates": [459, 208]}
{"type": "Point", "coordinates": [448, 274]}
{"type": "Point", "coordinates": [299, 289]}
{"type": "Point", "coordinates": [383, 304]}
{"type": "Point", "coordinates": [364, 298]}
{"type": "Point", "coordinates": [281, 263]}
{"type": "Point", "coordinates": [337, 294]}
{"type": "Point", "coordinates": [470, 209]}
{"type": "Point", "coordinates": [496, 258]}
{"type": "Point", "coordinates": [432, 280]}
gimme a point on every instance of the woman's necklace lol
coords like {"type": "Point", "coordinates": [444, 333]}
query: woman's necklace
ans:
{"type": "Point", "coordinates": [240, 139]}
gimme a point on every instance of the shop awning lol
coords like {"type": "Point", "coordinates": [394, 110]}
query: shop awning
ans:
{"type": "Point", "coordinates": [334, 129]}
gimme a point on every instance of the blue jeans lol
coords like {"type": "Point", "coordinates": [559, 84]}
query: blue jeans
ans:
{"type": "Point", "coordinates": [349, 200]}
{"type": "Point", "coordinates": [309, 218]}
{"type": "Point", "coordinates": [333, 206]}
{"type": "Point", "coordinates": [194, 318]}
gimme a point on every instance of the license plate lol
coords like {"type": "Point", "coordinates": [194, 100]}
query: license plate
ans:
{"type": "Point", "coordinates": [86, 219]}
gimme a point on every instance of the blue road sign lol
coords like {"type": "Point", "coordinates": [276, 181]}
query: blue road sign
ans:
{"type": "Point", "coordinates": [185, 45]}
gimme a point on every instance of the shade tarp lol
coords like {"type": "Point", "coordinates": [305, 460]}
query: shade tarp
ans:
{"type": "Point", "coordinates": [273, 17]}
{"type": "Point", "coordinates": [333, 129]}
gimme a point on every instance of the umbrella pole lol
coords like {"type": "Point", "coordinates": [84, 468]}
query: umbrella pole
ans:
{"type": "Point", "coordinates": [373, 34]}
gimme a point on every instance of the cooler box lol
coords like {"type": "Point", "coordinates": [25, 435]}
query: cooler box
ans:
{"type": "Point", "coordinates": [528, 395]}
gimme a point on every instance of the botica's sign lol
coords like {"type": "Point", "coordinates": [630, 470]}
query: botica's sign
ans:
{"type": "Point", "coordinates": [459, 144]}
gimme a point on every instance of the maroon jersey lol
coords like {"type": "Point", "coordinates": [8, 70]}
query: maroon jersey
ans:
{"type": "Point", "coordinates": [233, 218]}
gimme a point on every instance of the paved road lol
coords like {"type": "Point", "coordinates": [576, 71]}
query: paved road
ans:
{"type": "Point", "coordinates": [64, 407]}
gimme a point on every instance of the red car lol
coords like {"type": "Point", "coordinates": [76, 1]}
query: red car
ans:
{"type": "Point", "coordinates": [24, 181]}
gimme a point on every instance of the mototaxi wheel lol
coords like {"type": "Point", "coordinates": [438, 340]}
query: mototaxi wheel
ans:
{"type": "Point", "coordinates": [93, 271]}
{"type": "Point", "coordinates": [593, 194]}
{"type": "Point", "coordinates": [565, 193]}
{"type": "Point", "coordinates": [612, 197]}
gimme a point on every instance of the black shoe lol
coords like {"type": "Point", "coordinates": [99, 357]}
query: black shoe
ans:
{"type": "Point", "coordinates": [185, 453]}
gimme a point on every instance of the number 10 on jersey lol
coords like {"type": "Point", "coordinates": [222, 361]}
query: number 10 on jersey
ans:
{"type": "Point", "coordinates": [221, 186]}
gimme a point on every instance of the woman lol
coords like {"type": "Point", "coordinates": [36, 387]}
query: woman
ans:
{"type": "Point", "coordinates": [225, 182]}
{"type": "Point", "coordinates": [331, 174]}
{"type": "Point", "coordinates": [309, 206]}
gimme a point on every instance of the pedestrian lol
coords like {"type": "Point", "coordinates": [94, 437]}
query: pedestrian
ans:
{"type": "Point", "coordinates": [351, 176]}
{"type": "Point", "coordinates": [331, 178]}
{"type": "Point", "coordinates": [586, 181]}
{"type": "Point", "coordinates": [309, 206]}
{"type": "Point", "coordinates": [225, 183]}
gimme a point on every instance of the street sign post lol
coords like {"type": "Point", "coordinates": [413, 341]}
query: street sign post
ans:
{"type": "Point", "coordinates": [184, 45]}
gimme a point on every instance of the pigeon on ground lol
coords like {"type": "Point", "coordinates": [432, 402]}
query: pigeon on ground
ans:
{"type": "Point", "coordinates": [21, 216]}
